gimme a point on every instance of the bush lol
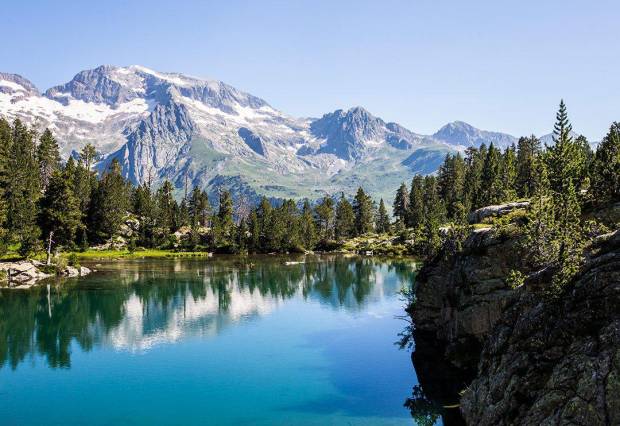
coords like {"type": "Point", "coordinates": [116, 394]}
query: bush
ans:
{"type": "Point", "coordinates": [73, 260]}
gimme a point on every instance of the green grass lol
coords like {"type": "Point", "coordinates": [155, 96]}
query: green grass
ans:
{"type": "Point", "coordinates": [126, 254]}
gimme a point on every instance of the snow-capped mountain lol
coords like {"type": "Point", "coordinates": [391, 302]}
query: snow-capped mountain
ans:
{"type": "Point", "coordinates": [172, 126]}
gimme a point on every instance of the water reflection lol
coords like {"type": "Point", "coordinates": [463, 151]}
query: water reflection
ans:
{"type": "Point", "coordinates": [133, 305]}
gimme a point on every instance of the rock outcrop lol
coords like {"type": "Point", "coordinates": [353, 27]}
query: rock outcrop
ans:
{"type": "Point", "coordinates": [25, 273]}
{"type": "Point", "coordinates": [555, 360]}
{"type": "Point", "coordinates": [522, 356]}
{"type": "Point", "coordinates": [479, 215]}
{"type": "Point", "coordinates": [460, 298]}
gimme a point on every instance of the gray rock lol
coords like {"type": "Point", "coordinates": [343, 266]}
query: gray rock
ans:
{"type": "Point", "coordinates": [495, 211]}
{"type": "Point", "coordinates": [555, 360]}
{"type": "Point", "coordinates": [70, 271]}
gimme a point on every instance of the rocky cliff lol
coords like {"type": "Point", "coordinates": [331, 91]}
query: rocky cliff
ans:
{"type": "Point", "coordinates": [555, 360]}
{"type": "Point", "coordinates": [519, 356]}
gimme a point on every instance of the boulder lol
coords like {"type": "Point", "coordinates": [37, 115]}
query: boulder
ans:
{"type": "Point", "coordinates": [24, 271]}
{"type": "Point", "coordinates": [84, 271]}
{"type": "Point", "coordinates": [70, 271]}
{"type": "Point", "coordinates": [479, 215]}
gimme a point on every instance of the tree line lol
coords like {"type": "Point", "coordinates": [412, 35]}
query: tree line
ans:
{"type": "Point", "coordinates": [559, 180]}
{"type": "Point", "coordinates": [44, 202]}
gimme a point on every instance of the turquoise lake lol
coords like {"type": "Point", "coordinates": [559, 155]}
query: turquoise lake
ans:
{"type": "Point", "coordinates": [218, 341]}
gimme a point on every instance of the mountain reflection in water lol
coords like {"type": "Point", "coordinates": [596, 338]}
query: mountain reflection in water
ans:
{"type": "Point", "coordinates": [133, 305]}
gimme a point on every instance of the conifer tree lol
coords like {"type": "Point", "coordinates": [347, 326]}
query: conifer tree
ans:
{"type": "Point", "coordinates": [242, 234]}
{"type": "Point", "coordinates": [434, 210]}
{"type": "Point", "coordinates": [491, 186]}
{"type": "Point", "coordinates": [166, 207]}
{"type": "Point", "coordinates": [254, 243]}
{"type": "Point", "coordinates": [606, 166]}
{"type": "Point", "coordinates": [307, 227]}
{"type": "Point", "coordinates": [199, 208]}
{"type": "Point", "coordinates": [6, 142]}
{"type": "Point", "coordinates": [144, 207]}
{"type": "Point", "coordinates": [60, 216]}
{"type": "Point", "coordinates": [224, 223]}
{"type": "Point", "coordinates": [541, 228]}
{"type": "Point", "coordinates": [451, 182]}
{"type": "Point", "coordinates": [324, 212]}
{"type": "Point", "coordinates": [527, 151]}
{"type": "Point", "coordinates": [364, 215]}
{"type": "Point", "coordinates": [288, 226]}
{"type": "Point", "coordinates": [401, 203]}
{"type": "Point", "coordinates": [345, 219]}
{"type": "Point", "coordinates": [416, 202]}
{"type": "Point", "coordinates": [23, 189]}
{"type": "Point", "coordinates": [382, 224]}
{"type": "Point", "coordinates": [474, 161]}
{"type": "Point", "coordinates": [109, 205]}
{"type": "Point", "coordinates": [48, 156]}
{"type": "Point", "coordinates": [509, 175]}
{"type": "Point", "coordinates": [264, 220]}
{"type": "Point", "coordinates": [564, 157]}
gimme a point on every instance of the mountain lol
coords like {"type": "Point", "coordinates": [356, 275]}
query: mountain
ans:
{"type": "Point", "coordinates": [171, 126]}
{"type": "Point", "coordinates": [462, 134]}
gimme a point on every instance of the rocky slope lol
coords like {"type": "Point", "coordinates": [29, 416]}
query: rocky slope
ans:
{"type": "Point", "coordinates": [521, 356]}
{"type": "Point", "coordinates": [172, 126]}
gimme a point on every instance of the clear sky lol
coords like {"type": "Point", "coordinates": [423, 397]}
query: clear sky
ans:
{"type": "Point", "coordinates": [499, 65]}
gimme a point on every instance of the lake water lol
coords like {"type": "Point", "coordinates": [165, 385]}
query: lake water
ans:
{"type": "Point", "coordinates": [218, 341]}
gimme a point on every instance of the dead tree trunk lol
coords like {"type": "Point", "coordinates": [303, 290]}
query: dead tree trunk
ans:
{"type": "Point", "coordinates": [49, 248]}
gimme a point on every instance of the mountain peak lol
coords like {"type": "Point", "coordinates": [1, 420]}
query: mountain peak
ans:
{"type": "Point", "coordinates": [16, 84]}
{"type": "Point", "coordinates": [461, 133]}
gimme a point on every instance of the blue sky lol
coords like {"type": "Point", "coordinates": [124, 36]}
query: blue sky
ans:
{"type": "Point", "coordinates": [498, 65]}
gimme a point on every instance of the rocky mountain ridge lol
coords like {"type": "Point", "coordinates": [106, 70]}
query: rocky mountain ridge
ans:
{"type": "Point", "coordinates": [172, 126]}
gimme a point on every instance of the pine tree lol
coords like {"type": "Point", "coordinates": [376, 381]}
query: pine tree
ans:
{"type": "Point", "coordinates": [199, 208]}
{"type": "Point", "coordinates": [451, 182]}
{"type": "Point", "coordinates": [289, 227]}
{"type": "Point", "coordinates": [474, 162]}
{"type": "Point", "coordinates": [383, 220]}
{"type": "Point", "coordinates": [540, 245]}
{"type": "Point", "coordinates": [324, 212]}
{"type": "Point", "coordinates": [364, 215]}
{"type": "Point", "coordinates": [264, 214]}
{"type": "Point", "coordinates": [491, 185]}
{"type": "Point", "coordinates": [110, 204]}
{"type": "Point", "coordinates": [254, 243]}
{"type": "Point", "coordinates": [23, 189]}
{"type": "Point", "coordinates": [145, 209]}
{"type": "Point", "coordinates": [564, 158]}
{"type": "Point", "coordinates": [48, 156]}
{"type": "Point", "coordinates": [606, 167]}
{"type": "Point", "coordinates": [401, 203]}
{"type": "Point", "coordinates": [434, 210]}
{"type": "Point", "coordinates": [527, 151]}
{"type": "Point", "coordinates": [416, 202]}
{"type": "Point", "coordinates": [509, 175]}
{"type": "Point", "coordinates": [166, 207]}
{"type": "Point", "coordinates": [6, 143]}
{"type": "Point", "coordinates": [345, 219]}
{"type": "Point", "coordinates": [224, 223]}
{"type": "Point", "coordinates": [60, 216]}
{"type": "Point", "coordinates": [307, 227]}
{"type": "Point", "coordinates": [84, 179]}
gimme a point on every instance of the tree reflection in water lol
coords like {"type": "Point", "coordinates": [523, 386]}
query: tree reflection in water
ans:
{"type": "Point", "coordinates": [135, 304]}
